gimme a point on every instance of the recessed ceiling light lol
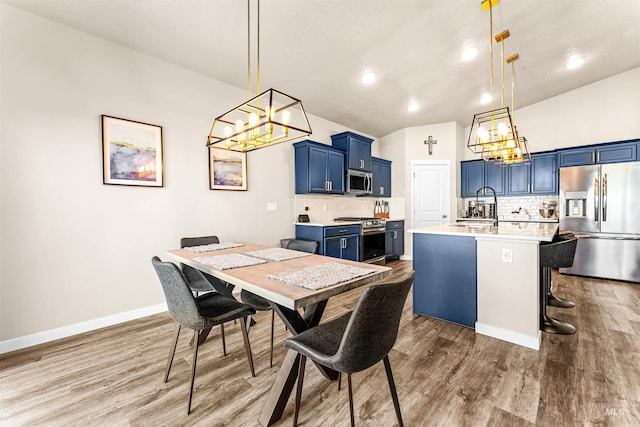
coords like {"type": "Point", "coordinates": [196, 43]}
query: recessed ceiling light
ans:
{"type": "Point", "coordinates": [413, 106]}
{"type": "Point", "coordinates": [469, 54]}
{"type": "Point", "coordinates": [486, 98]}
{"type": "Point", "coordinates": [368, 78]}
{"type": "Point", "coordinates": [574, 62]}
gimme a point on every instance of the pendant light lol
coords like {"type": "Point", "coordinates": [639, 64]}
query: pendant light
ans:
{"type": "Point", "coordinates": [493, 132]}
{"type": "Point", "coordinates": [270, 118]}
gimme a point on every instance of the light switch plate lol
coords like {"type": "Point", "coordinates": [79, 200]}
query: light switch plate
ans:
{"type": "Point", "coordinates": [272, 206]}
{"type": "Point", "coordinates": [507, 255]}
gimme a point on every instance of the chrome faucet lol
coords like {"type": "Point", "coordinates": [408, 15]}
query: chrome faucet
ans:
{"type": "Point", "coordinates": [495, 203]}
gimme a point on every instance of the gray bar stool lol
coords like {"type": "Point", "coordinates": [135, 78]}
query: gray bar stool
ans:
{"type": "Point", "coordinates": [557, 254]}
{"type": "Point", "coordinates": [553, 300]}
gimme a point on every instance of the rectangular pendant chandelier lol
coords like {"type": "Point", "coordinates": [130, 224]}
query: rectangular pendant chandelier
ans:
{"type": "Point", "coordinates": [268, 119]}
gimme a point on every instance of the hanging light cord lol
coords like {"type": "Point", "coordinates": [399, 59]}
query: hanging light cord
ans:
{"type": "Point", "coordinates": [249, 49]}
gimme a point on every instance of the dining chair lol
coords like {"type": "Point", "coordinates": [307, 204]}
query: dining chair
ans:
{"type": "Point", "coordinates": [356, 340]}
{"type": "Point", "coordinates": [202, 282]}
{"type": "Point", "coordinates": [197, 313]}
{"type": "Point", "coordinates": [262, 304]}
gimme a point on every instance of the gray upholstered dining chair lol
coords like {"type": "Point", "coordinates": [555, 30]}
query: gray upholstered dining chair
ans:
{"type": "Point", "coordinates": [202, 282]}
{"type": "Point", "coordinates": [262, 304]}
{"type": "Point", "coordinates": [197, 313]}
{"type": "Point", "coordinates": [356, 340]}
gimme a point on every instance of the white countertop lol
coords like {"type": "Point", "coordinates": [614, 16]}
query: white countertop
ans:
{"type": "Point", "coordinates": [331, 223]}
{"type": "Point", "coordinates": [513, 218]}
{"type": "Point", "coordinates": [537, 231]}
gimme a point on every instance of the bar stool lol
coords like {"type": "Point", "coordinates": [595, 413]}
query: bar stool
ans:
{"type": "Point", "coordinates": [553, 300]}
{"type": "Point", "coordinates": [557, 254]}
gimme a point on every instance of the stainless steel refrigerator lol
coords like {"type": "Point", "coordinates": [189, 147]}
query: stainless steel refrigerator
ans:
{"type": "Point", "coordinates": [601, 204]}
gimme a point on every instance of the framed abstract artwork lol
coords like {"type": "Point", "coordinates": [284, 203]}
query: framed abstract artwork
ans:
{"type": "Point", "coordinates": [227, 170]}
{"type": "Point", "coordinates": [131, 153]}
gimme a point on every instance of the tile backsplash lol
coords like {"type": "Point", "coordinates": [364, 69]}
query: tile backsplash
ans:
{"type": "Point", "coordinates": [507, 205]}
{"type": "Point", "coordinates": [324, 209]}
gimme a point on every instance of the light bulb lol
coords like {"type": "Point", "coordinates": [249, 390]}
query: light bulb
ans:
{"type": "Point", "coordinates": [227, 131]}
{"type": "Point", "coordinates": [483, 135]}
{"type": "Point", "coordinates": [502, 128]}
{"type": "Point", "coordinates": [253, 119]}
{"type": "Point", "coordinates": [286, 116]}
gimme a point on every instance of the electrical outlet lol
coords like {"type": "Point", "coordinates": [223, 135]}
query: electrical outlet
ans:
{"type": "Point", "coordinates": [306, 208]}
{"type": "Point", "coordinates": [272, 206]}
{"type": "Point", "coordinates": [507, 255]}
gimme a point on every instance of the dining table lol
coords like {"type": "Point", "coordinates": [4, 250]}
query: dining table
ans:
{"type": "Point", "coordinates": [297, 285]}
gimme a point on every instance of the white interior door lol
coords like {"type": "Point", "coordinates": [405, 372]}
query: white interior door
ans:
{"type": "Point", "coordinates": [431, 194]}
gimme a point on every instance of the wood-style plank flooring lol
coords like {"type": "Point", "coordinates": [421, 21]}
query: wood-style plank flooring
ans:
{"type": "Point", "coordinates": [446, 375]}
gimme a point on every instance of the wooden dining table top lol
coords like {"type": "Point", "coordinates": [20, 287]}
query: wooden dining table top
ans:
{"type": "Point", "coordinates": [255, 279]}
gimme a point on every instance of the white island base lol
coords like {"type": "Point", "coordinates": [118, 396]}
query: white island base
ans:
{"type": "Point", "coordinates": [505, 276]}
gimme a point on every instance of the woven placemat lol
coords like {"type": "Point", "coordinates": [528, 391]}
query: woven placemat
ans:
{"type": "Point", "coordinates": [213, 247]}
{"type": "Point", "coordinates": [321, 275]}
{"type": "Point", "coordinates": [277, 254]}
{"type": "Point", "coordinates": [228, 261]}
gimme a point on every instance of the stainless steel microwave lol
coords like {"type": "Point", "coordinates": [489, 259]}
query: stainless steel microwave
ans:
{"type": "Point", "coordinates": [359, 182]}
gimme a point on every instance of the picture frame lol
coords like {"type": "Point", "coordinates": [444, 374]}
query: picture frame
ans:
{"type": "Point", "coordinates": [227, 170]}
{"type": "Point", "coordinates": [131, 153]}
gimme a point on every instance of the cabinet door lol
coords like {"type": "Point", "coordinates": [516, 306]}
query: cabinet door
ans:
{"type": "Point", "coordinates": [544, 173]}
{"type": "Point", "coordinates": [472, 177]}
{"type": "Point", "coordinates": [577, 157]}
{"type": "Point", "coordinates": [616, 153]}
{"type": "Point", "coordinates": [388, 243]}
{"type": "Point", "coordinates": [365, 155]}
{"type": "Point", "coordinates": [518, 179]}
{"type": "Point", "coordinates": [351, 249]}
{"type": "Point", "coordinates": [495, 177]}
{"type": "Point", "coordinates": [376, 186]}
{"type": "Point", "coordinates": [398, 242]}
{"type": "Point", "coordinates": [335, 172]}
{"type": "Point", "coordinates": [385, 179]}
{"type": "Point", "coordinates": [333, 246]}
{"type": "Point", "coordinates": [318, 164]}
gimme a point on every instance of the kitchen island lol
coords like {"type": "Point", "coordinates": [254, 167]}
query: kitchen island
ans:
{"type": "Point", "coordinates": [482, 276]}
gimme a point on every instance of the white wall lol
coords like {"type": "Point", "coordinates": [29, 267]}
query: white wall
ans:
{"type": "Point", "coordinates": [73, 249]}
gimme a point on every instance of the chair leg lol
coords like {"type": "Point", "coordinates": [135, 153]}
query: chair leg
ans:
{"type": "Point", "coordinates": [172, 352]}
{"type": "Point", "coordinates": [247, 345]}
{"type": "Point", "coordinates": [353, 422]}
{"type": "Point", "coordinates": [271, 354]}
{"type": "Point", "coordinates": [296, 410]}
{"type": "Point", "coordinates": [224, 344]}
{"type": "Point", "coordinates": [339, 380]}
{"type": "Point", "coordinates": [193, 367]}
{"type": "Point", "coordinates": [392, 388]}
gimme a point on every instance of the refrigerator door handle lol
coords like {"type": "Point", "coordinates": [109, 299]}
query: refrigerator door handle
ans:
{"type": "Point", "coordinates": [596, 196]}
{"type": "Point", "coordinates": [604, 197]}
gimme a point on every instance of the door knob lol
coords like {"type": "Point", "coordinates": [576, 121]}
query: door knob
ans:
{"type": "Point", "coordinates": [444, 216]}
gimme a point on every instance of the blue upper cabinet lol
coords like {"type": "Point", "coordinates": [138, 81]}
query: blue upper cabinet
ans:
{"type": "Point", "coordinates": [494, 177]}
{"type": "Point", "coordinates": [518, 179]}
{"type": "Point", "coordinates": [357, 149]}
{"type": "Point", "coordinates": [472, 177]}
{"type": "Point", "coordinates": [618, 152]}
{"type": "Point", "coordinates": [381, 170]}
{"type": "Point", "coordinates": [540, 177]}
{"type": "Point", "coordinates": [477, 174]}
{"type": "Point", "coordinates": [544, 173]}
{"type": "Point", "coordinates": [319, 168]}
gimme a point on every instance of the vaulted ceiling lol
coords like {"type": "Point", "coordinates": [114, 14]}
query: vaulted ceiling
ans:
{"type": "Point", "coordinates": [317, 50]}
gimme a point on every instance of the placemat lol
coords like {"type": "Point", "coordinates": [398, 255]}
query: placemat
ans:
{"type": "Point", "coordinates": [228, 261]}
{"type": "Point", "coordinates": [277, 254]}
{"type": "Point", "coordinates": [213, 247]}
{"type": "Point", "coordinates": [321, 275]}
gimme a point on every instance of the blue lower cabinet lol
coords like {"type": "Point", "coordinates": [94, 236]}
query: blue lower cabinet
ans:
{"type": "Point", "coordinates": [445, 286]}
{"type": "Point", "coordinates": [334, 241]}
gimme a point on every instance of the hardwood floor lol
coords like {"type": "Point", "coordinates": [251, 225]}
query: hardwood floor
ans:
{"type": "Point", "coordinates": [446, 375]}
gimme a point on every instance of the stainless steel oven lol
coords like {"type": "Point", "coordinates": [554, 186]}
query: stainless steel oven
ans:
{"type": "Point", "coordinates": [372, 239]}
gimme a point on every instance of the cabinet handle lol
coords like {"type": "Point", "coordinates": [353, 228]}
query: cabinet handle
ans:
{"type": "Point", "coordinates": [343, 243]}
{"type": "Point", "coordinates": [598, 157]}
{"type": "Point", "coordinates": [330, 185]}
{"type": "Point", "coordinates": [395, 234]}
{"type": "Point", "coordinates": [344, 231]}
{"type": "Point", "coordinates": [326, 186]}
{"type": "Point", "coordinates": [361, 163]}
{"type": "Point", "coordinates": [593, 157]}
{"type": "Point", "coordinates": [381, 190]}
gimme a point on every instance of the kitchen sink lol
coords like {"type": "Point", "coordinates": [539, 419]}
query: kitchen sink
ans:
{"type": "Point", "coordinates": [472, 225]}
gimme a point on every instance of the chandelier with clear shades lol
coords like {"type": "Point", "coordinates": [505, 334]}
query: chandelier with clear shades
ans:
{"type": "Point", "coordinates": [270, 118]}
{"type": "Point", "coordinates": [493, 133]}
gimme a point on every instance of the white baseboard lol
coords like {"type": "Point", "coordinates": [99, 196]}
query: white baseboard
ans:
{"type": "Point", "coordinates": [510, 336]}
{"type": "Point", "coordinates": [78, 328]}
{"type": "Point", "coordinates": [406, 257]}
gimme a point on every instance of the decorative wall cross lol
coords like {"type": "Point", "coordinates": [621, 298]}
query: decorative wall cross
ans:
{"type": "Point", "coordinates": [431, 143]}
